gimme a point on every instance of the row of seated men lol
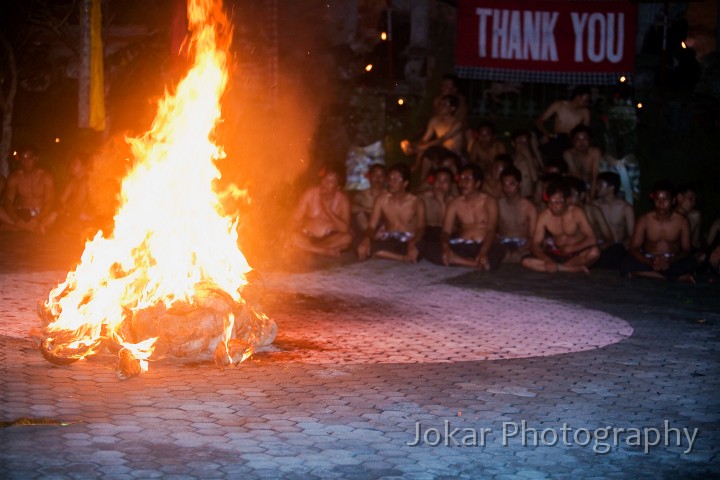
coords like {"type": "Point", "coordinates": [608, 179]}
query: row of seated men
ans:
{"type": "Point", "coordinates": [472, 227]}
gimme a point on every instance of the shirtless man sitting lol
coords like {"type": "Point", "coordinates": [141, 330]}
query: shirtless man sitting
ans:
{"type": "Point", "coordinates": [516, 216]}
{"type": "Point", "coordinates": [485, 146]}
{"type": "Point", "coordinates": [526, 157]}
{"type": "Point", "coordinates": [443, 129]}
{"type": "Point", "coordinates": [436, 202]}
{"type": "Point", "coordinates": [563, 240]}
{"type": "Point", "coordinates": [492, 184]}
{"type": "Point", "coordinates": [686, 198]}
{"type": "Point", "coordinates": [403, 215]}
{"type": "Point", "coordinates": [27, 202]}
{"type": "Point", "coordinates": [611, 252]}
{"type": "Point", "coordinates": [322, 217]}
{"type": "Point", "coordinates": [476, 213]}
{"type": "Point", "coordinates": [566, 115]}
{"type": "Point", "coordinates": [583, 159]}
{"type": "Point", "coordinates": [660, 244]}
{"type": "Point", "coordinates": [449, 86]}
{"type": "Point", "coordinates": [619, 214]}
{"type": "Point", "coordinates": [363, 201]}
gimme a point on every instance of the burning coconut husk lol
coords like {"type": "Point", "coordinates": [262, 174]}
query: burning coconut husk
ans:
{"type": "Point", "coordinates": [170, 280]}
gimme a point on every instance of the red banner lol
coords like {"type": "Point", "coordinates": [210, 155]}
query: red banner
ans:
{"type": "Point", "coordinates": [562, 40]}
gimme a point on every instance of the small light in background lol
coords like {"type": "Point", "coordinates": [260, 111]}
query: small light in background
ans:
{"type": "Point", "coordinates": [683, 44]}
{"type": "Point", "coordinates": [639, 105]}
{"type": "Point", "coordinates": [368, 67]}
{"type": "Point", "coordinates": [383, 36]}
{"type": "Point", "coordinates": [14, 153]}
{"type": "Point", "coordinates": [57, 139]}
{"type": "Point", "coordinates": [401, 101]}
{"type": "Point", "coordinates": [622, 79]}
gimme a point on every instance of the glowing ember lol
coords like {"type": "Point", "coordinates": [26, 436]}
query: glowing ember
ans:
{"type": "Point", "coordinates": [169, 279]}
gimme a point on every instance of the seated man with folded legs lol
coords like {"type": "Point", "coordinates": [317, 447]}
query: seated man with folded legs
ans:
{"type": "Point", "coordinates": [660, 245]}
{"type": "Point", "coordinates": [402, 214]}
{"type": "Point", "coordinates": [363, 201]}
{"type": "Point", "coordinates": [28, 200]}
{"type": "Point", "coordinates": [516, 216]}
{"type": "Point", "coordinates": [322, 217]}
{"type": "Point", "coordinates": [476, 214]}
{"type": "Point", "coordinates": [611, 252]}
{"type": "Point", "coordinates": [563, 240]}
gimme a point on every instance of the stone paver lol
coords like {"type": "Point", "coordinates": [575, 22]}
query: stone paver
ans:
{"type": "Point", "coordinates": [343, 392]}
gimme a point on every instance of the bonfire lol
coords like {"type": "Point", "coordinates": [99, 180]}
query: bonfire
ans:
{"type": "Point", "coordinates": [170, 279]}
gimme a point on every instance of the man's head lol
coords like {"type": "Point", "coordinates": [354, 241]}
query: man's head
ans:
{"type": "Point", "coordinates": [77, 166]}
{"type": "Point", "coordinates": [377, 174]}
{"type": "Point", "coordinates": [608, 184]}
{"type": "Point", "coordinates": [510, 179]}
{"type": "Point", "coordinates": [663, 196]}
{"type": "Point", "coordinates": [577, 190]}
{"type": "Point", "coordinates": [500, 163]}
{"type": "Point", "coordinates": [451, 161]}
{"type": "Point", "coordinates": [556, 196]}
{"type": "Point", "coordinates": [520, 139]}
{"type": "Point", "coordinates": [485, 133]}
{"type": "Point", "coordinates": [398, 178]}
{"type": "Point", "coordinates": [450, 102]}
{"type": "Point", "coordinates": [332, 178]}
{"type": "Point", "coordinates": [449, 84]}
{"type": "Point", "coordinates": [442, 180]}
{"type": "Point", "coordinates": [580, 137]}
{"type": "Point", "coordinates": [686, 197]}
{"type": "Point", "coordinates": [556, 165]}
{"type": "Point", "coordinates": [581, 95]}
{"type": "Point", "coordinates": [471, 178]}
{"type": "Point", "coordinates": [28, 159]}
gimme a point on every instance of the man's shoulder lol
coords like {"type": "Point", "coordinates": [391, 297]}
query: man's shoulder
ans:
{"type": "Point", "coordinates": [544, 215]}
{"type": "Point", "coordinates": [361, 194]}
{"type": "Point", "coordinates": [575, 211]}
{"type": "Point", "coordinates": [485, 198]}
{"type": "Point", "coordinates": [678, 217]}
{"type": "Point", "coordinates": [384, 197]}
{"type": "Point", "coordinates": [313, 191]}
{"type": "Point", "coordinates": [527, 204]}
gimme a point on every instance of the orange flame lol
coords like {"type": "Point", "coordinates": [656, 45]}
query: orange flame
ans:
{"type": "Point", "coordinates": [170, 231]}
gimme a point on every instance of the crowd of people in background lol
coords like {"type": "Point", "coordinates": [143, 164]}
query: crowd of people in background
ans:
{"type": "Point", "coordinates": [546, 201]}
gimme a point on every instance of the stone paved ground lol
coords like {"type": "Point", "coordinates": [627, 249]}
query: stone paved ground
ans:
{"type": "Point", "coordinates": [314, 408]}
